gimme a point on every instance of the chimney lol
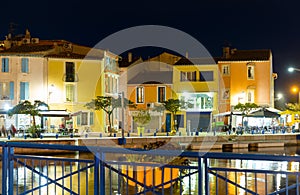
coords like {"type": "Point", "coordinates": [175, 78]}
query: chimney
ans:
{"type": "Point", "coordinates": [186, 54]}
{"type": "Point", "coordinates": [226, 52]}
{"type": "Point", "coordinates": [129, 57]}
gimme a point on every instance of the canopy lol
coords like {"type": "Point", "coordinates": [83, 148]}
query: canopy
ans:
{"type": "Point", "coordinates": [264, 112]}
{"type": "Point", "coordinates": [55, 113]}
{"type": "Point", "coordinates": [228, 113]}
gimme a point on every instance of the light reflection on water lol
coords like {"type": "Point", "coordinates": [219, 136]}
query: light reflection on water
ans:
{"type": "Point", "coordinates": [190, 185]}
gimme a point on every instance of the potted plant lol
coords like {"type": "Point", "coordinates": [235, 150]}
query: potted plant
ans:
{"type": "Point", "coordinates": [154, 175]}
{"type": "Point", "coordinates": [141, 118]}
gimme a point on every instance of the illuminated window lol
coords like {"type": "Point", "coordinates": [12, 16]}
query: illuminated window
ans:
{"type": "Point", "coordinates": [188, 76]}
{"type": "Point", "coordinates": [6, 90]}
{"type": "Point", "coordinates": [5, 65]}
{"type": "Point", "coordinates": [24, 65]}
{"type": "Point", "coordinates": [225, 70]}
{"type": "Point", "coordinates": [161, 95]}
{"type": "Point", "coordinates": [140, 95]}
{"type": "Point", "coordinates": [70, 92]}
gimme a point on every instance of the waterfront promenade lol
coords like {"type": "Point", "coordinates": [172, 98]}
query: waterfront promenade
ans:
{"type": "Point", "coordinates": [201, 142]}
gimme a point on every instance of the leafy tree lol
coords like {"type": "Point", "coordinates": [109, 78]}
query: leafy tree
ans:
{"type": "Point", "coordinates": [108, 104]}
{"type": "Point", "coordinates": [26, 107]}
{"type": "Point", "coordinates": [173, 106]}
{"type": "Point", "coordinates": [245, 109]}
{"type": "Point", "coordinates": [295, 107]}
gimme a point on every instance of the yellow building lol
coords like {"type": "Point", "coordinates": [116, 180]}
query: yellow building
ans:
{"type": "Point", "coordinates": [76, 75]}
{"type": "Point", "coordinates": [196, 81]}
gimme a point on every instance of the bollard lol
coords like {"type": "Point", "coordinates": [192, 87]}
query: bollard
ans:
{"type": "Point", "coordinates": [41, 136]}
{"type": "Point", "coordinates": [252, 132]}
{"type": "Point", "coordinates": [179, 133]}
{"type": "Point", "coordinates": [263, 132]}
{"type": "Point", "coordinates": [128, 134]}
{"type": "Point", "coordinates": [8, 137]}
{"type": "Point", "coordinates": [56, 136]}
{"type": "Point", "coordinates": [148, 131]}
{"type": "Point", "coordinates": [167, 133]}
{"type": "Point", "coordinates": [197, 133]}
{"type": "Point", "coordinates": [141, 134]}
{"type": "Point", "coordinates": [86, 135]}
{"type": "Point", "coordinates": [273, 131]}
{"type": "Point", "coordinates": [25, 137]}
{"type": "Point", "coordinates": [154, 134]}
{"type": "Point", "coordinates": [71, 135]}
{"type": "Point", "coordinates": [115, 135]}
{"type": "Point", "coordinates": [100, 134]}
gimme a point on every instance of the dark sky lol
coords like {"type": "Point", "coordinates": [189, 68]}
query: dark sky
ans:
{"type": "Point", "coordinates": [246, 24]}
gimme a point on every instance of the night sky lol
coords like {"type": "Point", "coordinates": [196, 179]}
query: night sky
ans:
{"type": "Point", "coordinates": [245, 24]}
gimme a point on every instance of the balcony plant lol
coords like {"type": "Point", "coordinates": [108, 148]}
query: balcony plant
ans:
{"type": "Point", "coordinates": [141, 118]}
{"type": "Point", "coordinates": [154, 175]}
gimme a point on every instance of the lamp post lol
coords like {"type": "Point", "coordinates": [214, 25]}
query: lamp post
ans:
{"type": "Point", "coordinates": [292, 69]}
{"type": "Point", "coordinates": [296, 90]}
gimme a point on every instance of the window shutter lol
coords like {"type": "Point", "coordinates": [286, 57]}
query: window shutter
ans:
{"type": "Point", "coordinates": [11, 90]}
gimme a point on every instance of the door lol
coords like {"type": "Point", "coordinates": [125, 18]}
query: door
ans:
{"type": "Point", "coordinates": [168, 122]}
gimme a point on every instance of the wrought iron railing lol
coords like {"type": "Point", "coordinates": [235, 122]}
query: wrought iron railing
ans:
{"type": "Point", "coordinates": [107, 170]}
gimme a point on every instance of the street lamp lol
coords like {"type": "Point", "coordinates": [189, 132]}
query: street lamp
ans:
{"type": "Point", "coordinates": [292, 69]}
{"type": "Point", "coordinates": [296, 90]}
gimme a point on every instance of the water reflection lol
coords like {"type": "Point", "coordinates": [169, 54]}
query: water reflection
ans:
{"type": "Point", "coordinates": [83, 183]}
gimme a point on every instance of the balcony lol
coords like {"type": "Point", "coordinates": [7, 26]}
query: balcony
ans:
{"type": "Point", "coordinates": [70, 77]}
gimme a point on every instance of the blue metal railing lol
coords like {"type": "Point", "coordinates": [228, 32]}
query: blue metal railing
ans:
{"type": "Point", "coordinates": [106, 171]}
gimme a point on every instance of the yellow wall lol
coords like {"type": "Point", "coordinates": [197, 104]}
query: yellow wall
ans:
{"type": "Point", "coordinates": [89, 85]}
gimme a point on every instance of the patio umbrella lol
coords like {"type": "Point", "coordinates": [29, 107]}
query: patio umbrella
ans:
{"type": "Point", "coordinates": [264, 112]}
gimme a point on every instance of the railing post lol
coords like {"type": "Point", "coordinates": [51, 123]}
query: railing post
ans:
{"type": "Point", "coordinates": [206, 175]}
{"type": "Point", "coordinates": [200, 178]}
{"type": "Point", "coordinates": [102, 173]}
{"type": "Point", "coordinates": [96, 173]}
{"type": "Point", "coordinates": [4, 168]}
{"type": "Point", "coordinates": [10, 170]}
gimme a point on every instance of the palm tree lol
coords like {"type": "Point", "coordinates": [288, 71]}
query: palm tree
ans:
{"type": "Point", "coordinates": [26, 107]}
{"type": "Point", "coordinates": [108, 104]}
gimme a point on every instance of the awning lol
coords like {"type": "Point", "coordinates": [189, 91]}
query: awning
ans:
{"type": "Point", "coordinates": [228, 113]}
{"type": "Point", "coordinates": [54, 113]}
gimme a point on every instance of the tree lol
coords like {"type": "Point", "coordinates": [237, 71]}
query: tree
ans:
{"type": "Point", "coordinates": [26, 107]}
{"type": "Point", "coordinates": [108, 104]}
{"type": "Point", "coordinates": [295, 107]}
{"type": "Point", "coordinates": [173, 106]}
{"type": "Point", "coordinates": [245, 109]}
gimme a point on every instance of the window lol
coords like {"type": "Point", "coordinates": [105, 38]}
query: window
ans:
{"type": "Point", "coordinates": [84, 118]}
{"type": "Point", "coordinates": [24, 90]}
{"type": "Point", "coordinates": [24, 65]}
{"type": "Point", "coordinates": [140, 95]}
{"type": "Point", "coordinates": [91, 118]}
{"type": "Point", "coordinates": [5, 65]}
{"type": "Point", "coordinates": [225, 70]}
{"type": "Point", "coordinates": [161, 94]}
{"type": "Point", "coordinates": [206, 76]}
{"type": "Point", "coordinates": [250, 95]}
{"type": "Point", "coordinates": [6, 90]}
{"type": "Point", "coordinates": [70, 72]}
{"type": "Point", "coordinates": [70, 93]}
{"type": "Point", "coordinates": [188, 76]}
{"type": "Point", "coordinates": [250, 72]}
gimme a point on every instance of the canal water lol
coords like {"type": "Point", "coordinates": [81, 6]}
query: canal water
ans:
{"type": "Point", "coordinates": [22, 176]}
